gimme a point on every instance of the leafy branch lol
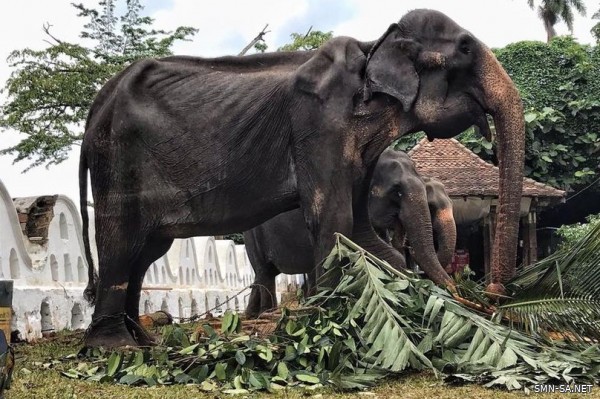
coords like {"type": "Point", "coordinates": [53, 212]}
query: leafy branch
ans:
{"type": "Point", "coordinates": [50, 91]}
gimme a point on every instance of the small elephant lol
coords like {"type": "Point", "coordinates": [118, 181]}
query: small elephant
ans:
{"type": "Point", "coordinates": [443, 223]}
{"type": "Point", "coordinates": [400, 201]}
{"type": "Point", "coordinates": [186, 146]}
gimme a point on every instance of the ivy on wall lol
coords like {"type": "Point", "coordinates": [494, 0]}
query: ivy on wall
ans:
{"type": "Point", "coordinates": [560, 86]}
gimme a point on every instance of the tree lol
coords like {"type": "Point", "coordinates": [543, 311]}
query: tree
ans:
{"type": "Point", "coordinates": [311, 40]}
{"type": "Point", "coordinates": [553, 11]}
{"type": "Point", "coordinates": [572, 234]}
{"type": "Point", "coordinates": [51, 90]}
{"type": "Point", "coordinates": [596, 28]}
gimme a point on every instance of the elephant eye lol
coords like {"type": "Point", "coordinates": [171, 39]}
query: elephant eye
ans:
{"type": "Point", "coordinates": [464, 44]}
{"type": "Point", "coordinates": [464, 48]}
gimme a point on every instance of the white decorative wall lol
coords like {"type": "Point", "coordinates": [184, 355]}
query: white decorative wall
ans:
{"type": "Point", "coordinates": [196, 275]}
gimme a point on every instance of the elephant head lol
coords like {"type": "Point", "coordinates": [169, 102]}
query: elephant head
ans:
{"type": "Point", "coordinates": [399, 203]}
{"type": "Point", "coordinates": [446, 81]}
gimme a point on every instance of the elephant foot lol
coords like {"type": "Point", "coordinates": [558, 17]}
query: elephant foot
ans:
{"type": "Point", "coordinates": [109, 332]}
{"type": "Point", "coordinates": [260, 301]}
{"type": "Point", "coordinates": [142, 336]}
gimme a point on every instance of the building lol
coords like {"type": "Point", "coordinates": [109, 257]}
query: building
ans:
{"type": "Point", "coordinates": [472, 184]}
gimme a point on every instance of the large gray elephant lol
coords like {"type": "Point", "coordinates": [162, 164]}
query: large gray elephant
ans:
{"type": "Point", "coordinates": [401, 202]}
{"type": "Point", "coordinates": [185, 146]}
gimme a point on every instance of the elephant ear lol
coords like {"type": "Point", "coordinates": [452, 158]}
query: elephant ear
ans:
{"type": "Point", "coordinates": [335, 70]}
{"type": "Point", "coordinates": [390, 68]}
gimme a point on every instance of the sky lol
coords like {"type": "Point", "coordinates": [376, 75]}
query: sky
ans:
{"type": "Point", "coordinates": [226, 26]}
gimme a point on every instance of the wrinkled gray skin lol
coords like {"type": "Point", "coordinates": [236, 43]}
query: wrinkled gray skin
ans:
{"type": "Point", "coordinates": [442, 219]}
{"type": "Point", "coordinates": [185, 146]}
{"type": "Point", "coordinates": [400, 202]}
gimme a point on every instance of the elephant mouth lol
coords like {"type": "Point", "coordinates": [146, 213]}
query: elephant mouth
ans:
{"type": "Point", "coordinates": [455, 123]}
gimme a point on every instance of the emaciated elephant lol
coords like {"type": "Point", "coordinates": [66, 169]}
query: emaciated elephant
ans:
{"type": "Point", "coordinates": [185, 146]}
{"type": "Point", "coordinates": [401, 203]}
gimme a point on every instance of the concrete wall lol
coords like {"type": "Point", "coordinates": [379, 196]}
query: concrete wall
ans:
{"type": "Point", "coordinates": [197, 274]}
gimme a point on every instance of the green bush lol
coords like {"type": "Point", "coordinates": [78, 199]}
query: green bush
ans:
{"type": "Point", "coordinates": [572, 233]}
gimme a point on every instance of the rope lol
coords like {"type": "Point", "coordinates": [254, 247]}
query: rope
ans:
{"type": "Point", "coordinates": [582, 190]}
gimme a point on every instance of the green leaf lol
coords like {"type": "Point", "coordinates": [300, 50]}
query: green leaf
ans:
{"type": "Point", "coordinates": [227, 322]}
{"type": "Point", "coordinates": [290, 353]}
{"type": "Point", "coordinates": [508, 359]}
{"type": "Point", "coordinates": [220, 371]}
{"type": "Point", "coordinates": [74, 374]}
{"type": "Point", "coordinates": [530, 117]}
{"type": "Point", "coordinates": [130, 379]}
{"type": "Point", "coordinates": [290, 327]}
{"type": "Point", "coordinates": [257, 380]}
{"type": "Point", "coordinates": [282, 370]}
{"type": "Point", "coordinates": [240, 357]}
{"type": "Point", "coordinates": [305, 377]}
{"type": "Point", "coordinates": [188, 350]}
{"type": "Point", "coordinates": [114, 361]}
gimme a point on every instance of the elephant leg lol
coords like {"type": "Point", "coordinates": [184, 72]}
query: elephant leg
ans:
{"type": "Point", "coordinates": [325, 191]}
{"type": "Point", "coordinates": [331, 214]}
{"type": "Point", "coordinates": [117, 252]}
{"type": "Point", "coordinates": [263, 295]}
{"type": "Point", "coordinates": [153, 249]}
{"type": "Point", "coordinates": [310, 284]}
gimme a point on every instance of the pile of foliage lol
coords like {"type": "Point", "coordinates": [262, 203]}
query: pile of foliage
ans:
{"type": "Point", "coordinates": [376, 322]}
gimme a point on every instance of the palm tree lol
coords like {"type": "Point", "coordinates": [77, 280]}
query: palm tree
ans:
{"type": "Point", "coordinates": [553, 11]}
{"type": "Point", "coordinates": [596, 28]}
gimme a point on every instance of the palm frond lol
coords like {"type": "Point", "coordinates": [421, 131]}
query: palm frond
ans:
{"type": "Point", "coordinates": [561, 294]}
{"type": "Point", "coordinates": [401, 320]}
{"type": "Point", "coordinates": [376, 304]}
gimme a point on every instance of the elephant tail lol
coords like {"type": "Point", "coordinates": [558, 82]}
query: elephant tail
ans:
{"type": "Point", "coordinates": [90, 291]}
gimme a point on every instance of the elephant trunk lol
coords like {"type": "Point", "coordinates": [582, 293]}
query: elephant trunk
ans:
{"type": "Point", "coordinates": [504, 103]}
{"type": "Point", "coordinates": [365, 236]}
{"type": "Point", "coordinates": [444, 230]}
{"type": "Point", "coordinates": [419, 231]}
{"type": "Point", "coordinates": [363, 232]}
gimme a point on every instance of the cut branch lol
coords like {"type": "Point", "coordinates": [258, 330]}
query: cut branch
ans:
{"type": "Point", "coordinates": [258, 38]}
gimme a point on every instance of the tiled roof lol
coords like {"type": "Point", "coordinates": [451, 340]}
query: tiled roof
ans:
{"type": "Point", "coordinates": [464, 173]}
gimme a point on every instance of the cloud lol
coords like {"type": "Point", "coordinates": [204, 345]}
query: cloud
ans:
{"type": "Point", "coordinates": [228, 25]}
{"type": "Point", "coordinates": [321, 15]}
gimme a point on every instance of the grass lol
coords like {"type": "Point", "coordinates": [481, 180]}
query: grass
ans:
{"type": "Point", "coordinates": [37, 375]}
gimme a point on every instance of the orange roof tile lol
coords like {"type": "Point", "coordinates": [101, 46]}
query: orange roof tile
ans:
{"type": "Point", "coordinates": [464, 173]}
